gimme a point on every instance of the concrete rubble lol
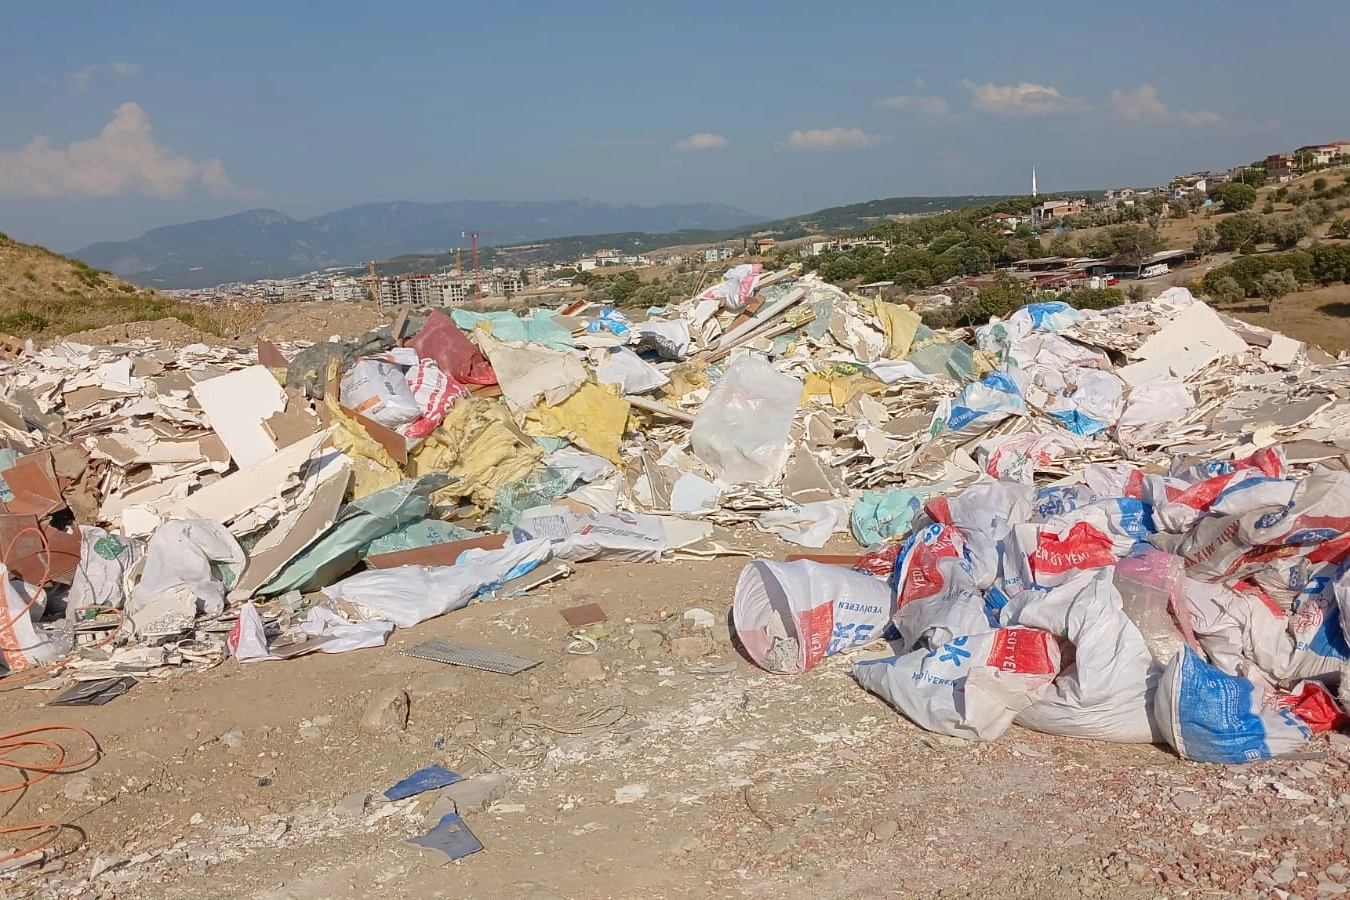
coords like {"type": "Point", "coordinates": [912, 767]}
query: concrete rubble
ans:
{"type": "Point", "coordinates": [1154, 491]}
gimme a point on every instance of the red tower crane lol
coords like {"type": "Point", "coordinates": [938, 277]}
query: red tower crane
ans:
{"type": "Point", "coordinates": [477, 280]}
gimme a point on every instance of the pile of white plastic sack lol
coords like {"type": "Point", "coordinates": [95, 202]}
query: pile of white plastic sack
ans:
{"type": "Point", "coordinates": [1204, 608]}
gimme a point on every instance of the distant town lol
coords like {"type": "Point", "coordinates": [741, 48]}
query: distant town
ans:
{"type": "Point", "coordinates": [455, 286]}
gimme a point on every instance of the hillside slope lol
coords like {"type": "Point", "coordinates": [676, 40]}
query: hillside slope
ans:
{"type": "Point", "coordinates": [43, 294]}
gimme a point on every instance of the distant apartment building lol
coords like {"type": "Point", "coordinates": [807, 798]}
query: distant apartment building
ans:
{"type": "Point", "coordinates": [350, 290]}
{"type": "Point", "coordinates": [1120, 195]}
{"type": "Point", "coordinates": [764, 245]}
{"type": "Point", "coordinates": [1006, 222]}
{"type": "Point", "coordinates": [718, 254]}
{"type": "Point", "coordinates": [1280, 167]}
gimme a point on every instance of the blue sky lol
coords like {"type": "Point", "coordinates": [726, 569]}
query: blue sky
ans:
{"type": "Point", "coordinates": [118, 117]}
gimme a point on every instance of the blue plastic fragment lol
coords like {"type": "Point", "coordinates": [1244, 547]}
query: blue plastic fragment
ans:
{"type": "Point", "coordinates": [451, 837]}
{"type": "Point", "coordinates": [421, 781]}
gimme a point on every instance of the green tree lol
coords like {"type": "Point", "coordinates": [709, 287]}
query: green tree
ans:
{"type": "Point", "coordinates": [1236, 231]}
{"type": "Point", "coordinates": [1206, 240]}
{"type": "Point", "coordinates": [1235, 196]}
{"type": "Point", "coordinates": [1227, 290]}
{"type": "Point", "coordinates": [1274, 285]}
{"type": "Point", "coordinates": [1340, 228]}
{"type": "Point", "coordinates": [1062, 245]}
{"type": "Point", "coordinates": [1319, 184]}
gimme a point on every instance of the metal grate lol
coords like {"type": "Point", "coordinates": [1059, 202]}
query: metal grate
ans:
{"type": "Point", "coordinates": [456, 654]}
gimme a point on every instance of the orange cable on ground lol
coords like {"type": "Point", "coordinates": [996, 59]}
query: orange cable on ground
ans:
{"type": "Point", "coordinates": [33, 771]}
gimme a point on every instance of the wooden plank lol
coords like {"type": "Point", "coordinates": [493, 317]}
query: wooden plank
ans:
{"type": "Point", "coordinates": [661, 409]}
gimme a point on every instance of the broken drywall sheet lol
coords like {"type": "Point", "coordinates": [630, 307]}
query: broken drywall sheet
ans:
{"type": "Point", "coordinates": [1197, 324]}
{"type": "Point", "coordinates": [236, 404]}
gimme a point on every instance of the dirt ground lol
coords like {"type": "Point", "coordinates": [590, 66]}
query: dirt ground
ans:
{"type": "Point", "coordinates": [662, 766]}
{"type": "Point", "coordinates": [1320, 317]}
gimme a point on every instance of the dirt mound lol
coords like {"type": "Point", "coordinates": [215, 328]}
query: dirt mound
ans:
{"type": "Point", "coordinates": [170, 330]}
{"type": "Point", "coordinates": [317, 322]}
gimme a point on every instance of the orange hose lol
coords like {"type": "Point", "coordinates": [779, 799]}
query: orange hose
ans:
{"type": "Point", "coordinates": [32, 772]}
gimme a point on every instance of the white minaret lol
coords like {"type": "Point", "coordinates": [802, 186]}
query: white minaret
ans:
{"type": "Point", "coordinates": [1033, 182]}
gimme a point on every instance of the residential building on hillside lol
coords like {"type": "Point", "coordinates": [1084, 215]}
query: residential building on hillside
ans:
{"type": "Point", "coordinates": [1280, 167]}
{"type": "Point", "coordinates": [718, 254]}
{"type": "Point", "coordinates": [1116, 195]}
{"type": "Point", "coordinates": [1324, 154]}
{"type": "Point", "coordinates": [1057, 209]}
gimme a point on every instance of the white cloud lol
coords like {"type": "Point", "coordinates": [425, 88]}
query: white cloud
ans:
{"type": "Point", "coordinates": [923, 104]}
{"type": "Point", "coordinates": [1023, 99]}
{"type": "Point", "coordinates": [122, 159]}
{"type": "Point", "coordinates": [1140, 104]}
{"type": "Point", "coordinates": [83, 78]}
{"type": "Point", "coordinates": [703, 140]}
{"type": "Point", "coordinates": [832, 139]}
{"type": "Point", "coordinates": [1143, 105]}
{"type": "Point", "coordinates": [1201, 117]}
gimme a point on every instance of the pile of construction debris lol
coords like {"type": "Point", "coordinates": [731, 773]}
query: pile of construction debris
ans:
{"type": "Point", "coordinates": [168, 506]}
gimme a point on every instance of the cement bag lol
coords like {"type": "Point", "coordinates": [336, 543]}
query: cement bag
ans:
{"type": "Point", "coordinates": [1106, 692]}
{"type": "Point", "coordinates": [1126, 521]}
{"type": "Point", "coordinates": [806, 524]}
{"type": "Point", "coordinates": [982, 405]}
{"type": "Point", "coordinates": [1038, 557]}
{"type": "Point", "coordinates": [1016, 457]}
{"type": "Point", "coordinates": [669, 340]}
{"type": "Point", "coordinates": [379, 391]}
{"type": "Point", "coordinates": [880, 516]}
{"type": "Point", "coordinates": [1094, 404]}
{"type": "Point", "coordinates": [1113, 480]}
{"type": "Point", "coordinates": [632, 373]}
{"type": "Point", "coordinates": [22, 645]}
{"type": "Point", "coordinates": [1268, 461]}
{"type": "Point", "coordinates": [741, 431]}
{"type": "Point", "coordinates": [1153, 408]}
{"type": "Point", "coordinates": [190, 565]}
{"type": "Point", "coordinates": [1178, 506]}
{"type": "Point", "coordinates": [1316, 707]}
{"type": "Point", "coordinates": [984, 514]}
{"type": "Point", "coordinates": [100, 575]}
{"type": "Point", "coordinates": [958, 607]}
{"type": "Point", "coordinates": [626, 537]}
{"type": "Point", "coordinates": [434, 392]}
{"type": "Point", "coordinates": [735, 290]}
{"type": "Point", "coordinates": [789, 616]}
{"type": "Point", "coordinates": [1052, 315]}
{"type": "Point", "coordinates": [406, 595]}
{"type": "Point", "coordinates": [969, 686]}
{"type": "Point", "coordinates": [1209, 716]}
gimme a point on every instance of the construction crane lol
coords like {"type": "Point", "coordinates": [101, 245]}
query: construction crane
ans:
{"type": "Point", "coordinates": [473, 245]}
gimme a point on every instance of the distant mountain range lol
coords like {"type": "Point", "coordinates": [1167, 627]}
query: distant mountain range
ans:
{"type": "Point", "coordinates": [264, 243]}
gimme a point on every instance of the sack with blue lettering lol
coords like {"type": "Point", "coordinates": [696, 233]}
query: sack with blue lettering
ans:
{"type": "Point", "coordinates": [966, 685]}
{"type": "Point", "coordinates": [790, 616]}
{"type": "Point", "coordinates": [1126, 521]}
{"type": "Point", "coordinates": [1210, 716]}
{"type": "Point", "coordinates": [1053, 315]}
{"type": "Point", "coordinates": [980, 406]}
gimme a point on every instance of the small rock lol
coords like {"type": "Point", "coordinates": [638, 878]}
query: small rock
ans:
{"type": "Point", "coordinates": [885, 830]}
{"type": "Point", "coordinates": [1284, 872]}
{"type": "Point", "coordinates": [439, 684]}
{"type": "Point", "coordinates": [584, 669]}
{"type": "Point", "coordinates": [466, 729]}
{"type": "Point", "coordinates": [352, 806]}
{"type": "Point", "coordinates": [478, 791]}
{"type": "Point", "coordinates": [322, 721]}
{"type": "Point", "coordinates": [309, 733]}
{"type": "Point", "coordinates": [699, 619]}
{"type": "Point", "coordinates": [1186, 801]}
{"type": "Point", "coordinates": [684, 843]}
{"type": "Point", "coordinates": [197, 819]}
{"type": "Point", "coordinates": [77, 788]}
{"type": "Point", "coordinates": [648, 640]}
{"type": "Point", "coordinates": [386, 712]}
{"type": "Point", "coordinates": [691, 647]}
{"type": "Point", "coordinates": [233, 739]}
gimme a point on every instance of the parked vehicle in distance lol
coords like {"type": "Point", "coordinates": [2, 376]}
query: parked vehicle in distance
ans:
{"type": "Point", "coordinates": [1154, 270]}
